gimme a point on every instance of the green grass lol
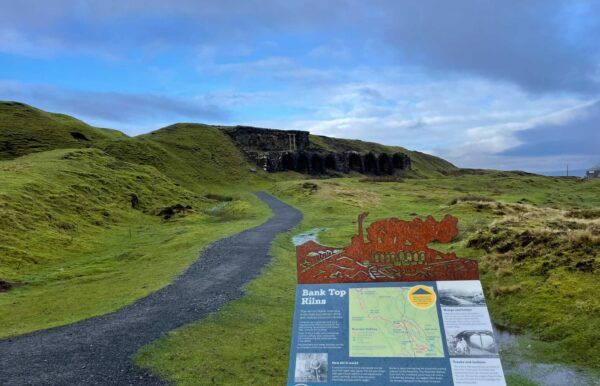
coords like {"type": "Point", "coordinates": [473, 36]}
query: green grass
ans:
{"type": "Point", "coordinates": [74, 247]}
{"type": "Point", "coordinates": [196, 156]}
{"type": "Point", "coordinates": [254, 332]}
{"type": "Point", "coordinates": [517, 380]}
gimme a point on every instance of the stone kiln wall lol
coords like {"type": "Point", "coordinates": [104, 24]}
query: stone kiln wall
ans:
{"type": "Point", "coordinates": [281, 150]}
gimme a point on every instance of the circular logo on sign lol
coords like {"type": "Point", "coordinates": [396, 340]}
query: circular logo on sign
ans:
{"type": "Point", "coordinates": [421, 296]}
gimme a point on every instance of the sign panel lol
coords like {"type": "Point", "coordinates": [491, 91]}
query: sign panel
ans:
{"type": "Point", "coordinates": [395, 250]}
{"type": "Point", "coordinates": [355, 323]}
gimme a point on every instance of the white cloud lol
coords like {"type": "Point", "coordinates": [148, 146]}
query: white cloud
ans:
{"type": "Point", "coordinates": [468, 121]}
{"type": "Point", "coordinates": [133, 112]}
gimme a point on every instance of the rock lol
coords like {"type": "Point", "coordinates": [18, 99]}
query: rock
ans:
{"type": "Point", "coordinates": [79, 136]}
{"type": "Point", "coordinates": [283, 150]}
{"type": "Point", "coordinates": [135, 201]}
{"type": "Point", "coordinates": [310, 186]}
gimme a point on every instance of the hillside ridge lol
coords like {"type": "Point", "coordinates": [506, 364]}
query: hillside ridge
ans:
{"type": "Point", "coordinates": [25, 129]}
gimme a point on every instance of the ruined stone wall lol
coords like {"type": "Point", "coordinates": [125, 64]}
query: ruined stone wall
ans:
{"type": "Point", "coordinates": [322, 163]}
{"type": "Point", "coordinates": [281, 150]}
{"type": "Point", "coordinates": [256, 139]}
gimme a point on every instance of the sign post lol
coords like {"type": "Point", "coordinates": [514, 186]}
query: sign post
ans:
{"type": "Point", "coordinates": [389, 310]}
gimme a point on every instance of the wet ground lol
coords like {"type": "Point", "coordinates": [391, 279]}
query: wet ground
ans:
{"type": "Point", "coordinates": [309, 235]}
{"type": "Point", "coordinates": [548, 374]}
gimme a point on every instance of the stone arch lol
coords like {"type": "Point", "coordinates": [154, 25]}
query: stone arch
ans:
{"type": "Point", "coordinates": [371, 164]}
{"type": "Point", "coordinates": [288, 162]}
{"type": "Point", "coordinates": [385, 164]}
{"type": "Point", "coordinates": [355, 162]}
{"type": "Point", "coordinates": [302, 163]}
{"type": "Point", "coordinates": [330, 162]}
{"type": "Point", "coordinates": [316, 164]}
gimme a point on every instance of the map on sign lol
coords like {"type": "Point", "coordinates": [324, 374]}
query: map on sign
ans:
{"type": "Point", "coordinates": [394, 322]}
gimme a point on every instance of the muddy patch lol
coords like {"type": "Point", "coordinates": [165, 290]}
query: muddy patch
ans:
{"type": "Point", "coordinates": [170, 211]}
{"type": "Point", "coordinates": [5, 286]}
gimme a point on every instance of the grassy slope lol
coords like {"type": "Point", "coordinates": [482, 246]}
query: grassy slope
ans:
{"type": "Point", "coordinates": [25, 129]}
{"type": "Point", "coordinates": [75, 246]}
{"type": "Point", "coordinates": [197, 156]}
{"type": "Point", "coordinates": [67, 220]}
{"type": "Point", "coordinates": [254, 332]}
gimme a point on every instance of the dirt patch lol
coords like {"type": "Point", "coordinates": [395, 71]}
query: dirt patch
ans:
{"type": "Point", "coordinates": [471, 198]}
{"type": "Point", "coordinates": [172, 210]}
{"type": "Point", "coordinates": [311, 187]}
{"type": "Point", "coordinates": [135, 201]}
{"type": "Point", "coordinates": [5, 286]}
{"type": "Point", "coordinates": [79, 136]}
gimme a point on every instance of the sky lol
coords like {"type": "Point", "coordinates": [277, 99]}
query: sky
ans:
{"type": "Point", "coordinates": [484, 84]}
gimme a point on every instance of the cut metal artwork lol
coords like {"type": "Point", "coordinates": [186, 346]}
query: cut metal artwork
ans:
{"type": "Point", "coordinates": [395, 250]}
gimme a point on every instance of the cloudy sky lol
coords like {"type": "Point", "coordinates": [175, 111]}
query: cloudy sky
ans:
{"type": "Point", "coordinates": [492, 84]}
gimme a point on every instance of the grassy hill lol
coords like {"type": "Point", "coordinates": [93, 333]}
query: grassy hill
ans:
{"type": "Point", "coordinates": [83, 216]}
{"type": "Point", "coordinates": [192, 154]}
{"type": "Point", "coordinates": [25, 129]}
{"type": "Point", "coordinates": [84, 233]}
{"type": "Point", "coordinates": [195, 155]}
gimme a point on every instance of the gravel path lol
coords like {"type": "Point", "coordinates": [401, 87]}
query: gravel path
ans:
{"type": "Point", "coordinates": [99, 351]}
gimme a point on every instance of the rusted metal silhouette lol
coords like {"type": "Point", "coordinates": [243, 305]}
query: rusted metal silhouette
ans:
{"type": "Point", "coordinates": [395, 250]}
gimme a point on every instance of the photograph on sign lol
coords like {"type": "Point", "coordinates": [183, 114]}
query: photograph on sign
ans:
{"type": "Point", "coordinates": [461, 293]}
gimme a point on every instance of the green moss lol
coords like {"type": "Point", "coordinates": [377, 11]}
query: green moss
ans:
{"type": "Point", "coordinates": [517, 380]}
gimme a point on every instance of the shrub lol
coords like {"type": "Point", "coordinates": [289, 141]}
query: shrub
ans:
{"type": "Point", "coordinates": [471, 198]}
{"type": "Point", "coordinates": [218, 197]}
{"type": "Point", "coordinates": [230, 210]}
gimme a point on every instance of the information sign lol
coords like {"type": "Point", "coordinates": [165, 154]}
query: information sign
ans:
{"type": "Point", "coordinates": [390, 311]}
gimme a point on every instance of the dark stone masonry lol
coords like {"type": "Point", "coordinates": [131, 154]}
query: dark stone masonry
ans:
{"type": "Point", "coordinates": [281, 150]}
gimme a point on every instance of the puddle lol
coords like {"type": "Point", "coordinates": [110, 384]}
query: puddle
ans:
{"type": "Point", "coordinates": [546, 374]}
{"type": "Point", "coordinates": [309, 235]}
